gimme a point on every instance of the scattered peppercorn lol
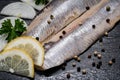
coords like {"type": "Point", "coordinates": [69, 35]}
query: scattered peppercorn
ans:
{"type": "Point", "coordinates": [110, 63]}
{"type": "Point", "coordinates": [93, 64]}
{"type": "Point", "coordinates": [78, 59]}
{"type": "Point", "coordinates": [99, 56]}
{"type": "Point", "coordinates": [51, 17]}
{"type": "Point", "coordinates": [68, 75]}
{"type": "Point", "coordinates": [75, 57]}
{"type": "Point", "coordinates": [89, 56]}
{"type": "Point", "coordinates": [37, 38]}
{"type": "Point", "coordinates": [48, 22]}
{"type": "Point", "coordinates": [63, 32]}
{"type": "Point", "coordinates": [108, 8]}
{"type": "Point", "coordinates": [60, 37]}
{"type": "Point", "coordinates": [93, 26]}
{"type": "Point", "coordinates": [102, 50]}
{"type": "Point", "coordinates": [95, 53]}
{"type": "Point", "coordinates": [100, 63]}
{"type": "Point", "coordinates": [106, 34]}
{"type": "Point", "coordinates": [83, 71]}
{"type": "Point", "coordinates": [78, 69]}
{"type": "Point", "coordinates": [113, 60]}
{"type": "Point", "coordinates": [98, 66]}
{"type": "Point", "coordinates": [87, 8]}
{"type": "Point", "coordinates": [108, 20]}
{"type": "Point", "coordinates": [73, 64]}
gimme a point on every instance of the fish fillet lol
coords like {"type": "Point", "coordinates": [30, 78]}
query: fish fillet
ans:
{"type": "Point", "coordinates": [69, 28]}
{"type": "Point", "coordinates": [84, 36]}
{"type": "Point", "coordinates": [57, 15]}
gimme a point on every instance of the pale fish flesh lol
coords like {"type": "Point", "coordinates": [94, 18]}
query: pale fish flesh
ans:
{"type": "Point", "coordinates": [57, 15]}
{"type": "Point", "coordinates": [84, 36]}
{"type": "Point", "coordinates": [73, 25]}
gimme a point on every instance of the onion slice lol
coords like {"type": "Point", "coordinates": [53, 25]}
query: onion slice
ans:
{"type": "Point", "coordinates": [3, 40]}
{"type": "Point", "coordinates": [19, 9]}
{"type": "Point", "coordinates": [32, 3]}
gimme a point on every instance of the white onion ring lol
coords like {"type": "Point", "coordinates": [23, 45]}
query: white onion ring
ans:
{"type": "Point", "coordinates": [32, 3]}
{"type": "Point", "coordinates": [19, 9]}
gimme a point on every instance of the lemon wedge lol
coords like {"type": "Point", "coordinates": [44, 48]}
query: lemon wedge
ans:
{"type": "Point", "coordinates": [29, 45]}
{"type": "Point", "coordinates": [17, 61]}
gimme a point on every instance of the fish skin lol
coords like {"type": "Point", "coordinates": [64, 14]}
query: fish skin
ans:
{"type": "Point", "coordinates": [63, 11]}
{"type": "Point", "coordinates": [83, 37]}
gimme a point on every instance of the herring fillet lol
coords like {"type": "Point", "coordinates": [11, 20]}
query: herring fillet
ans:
{"type": "Point", "coordinates": [73, 25]}
{"type": "Point", "coordinates": [63, 12]}
{"type": "Point", "coordinates": [84, 36]}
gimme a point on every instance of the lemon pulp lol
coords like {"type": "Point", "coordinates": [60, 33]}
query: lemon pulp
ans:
{"type": "Point", "coordinates": [31, 46]}
{"type": "Point", "coordinates": [17, 61]}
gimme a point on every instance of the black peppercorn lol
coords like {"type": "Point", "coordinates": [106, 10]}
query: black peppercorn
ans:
{"type": "Point", "coordinates": [100, 63]}
{"type": "Point", "coordinates": [37, 38]}
{"type": "Point", "coordinates": [108, 20]}
{"type": "Point", "coordinates": [113, 60]}
{"type": "Point", "coordinates": [68, 75]}
{"type": "Point", "coordinates": [102, 50]}
{"type": "Point", "coordinates": [87, 8]}
{"type": "Point", "coordinates": [51, 17]}
{"type": "Point", "coordinates": [48, 22]}
{"type": "Point", "coordinates": [89, 56]}
{"type": "Point", "coordinates": [78, 69]}
{"type": "Point", "coordinates": [93, 64]}
{"type": "Point", "coordinates": [93, 26]}
{"type": "Point", "coordinates": [63, 32]}
{"type": "Point", "coordinates": [60, 37]}
{"type": "Point", "coordinates": [98, 66]}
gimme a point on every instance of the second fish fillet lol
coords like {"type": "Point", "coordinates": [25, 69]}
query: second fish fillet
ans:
{"type": "Point", "coordinates": [84, 36]}
{"type": "Point", "coordinates": [57, 15]}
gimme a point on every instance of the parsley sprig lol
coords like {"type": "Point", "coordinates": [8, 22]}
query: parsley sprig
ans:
{"type": "Point", "coordinates": [37, 2]}
{"type": "Point", "coordinates": [12, 31]}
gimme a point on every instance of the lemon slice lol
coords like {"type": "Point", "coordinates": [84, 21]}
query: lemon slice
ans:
{"type": "Point", "coordinates": [31, 46]}
{"type": "Point", "coordinates": [17, 61]}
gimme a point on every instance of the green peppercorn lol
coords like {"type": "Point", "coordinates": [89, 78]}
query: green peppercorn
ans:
{"type": "Point", "coordinates": [108, 8]}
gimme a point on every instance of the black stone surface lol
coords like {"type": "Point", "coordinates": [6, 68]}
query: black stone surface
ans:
{"type": "Point", "coordinates": [110, 44]}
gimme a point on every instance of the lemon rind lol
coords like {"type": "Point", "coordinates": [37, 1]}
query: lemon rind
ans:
{"type": "Point", "coordinates": [32, 39]}
{"type": "Point", "coordinates": [29, 59]}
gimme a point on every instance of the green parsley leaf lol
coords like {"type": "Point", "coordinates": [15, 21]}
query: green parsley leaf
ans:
{"type": "Point", "coordinates": [37, 2]}
{"type": "Point", "coordinates": [12, 31]}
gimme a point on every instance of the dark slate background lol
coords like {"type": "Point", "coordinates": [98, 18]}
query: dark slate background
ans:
{"type": "Point", "coordinates": [109, 48]}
